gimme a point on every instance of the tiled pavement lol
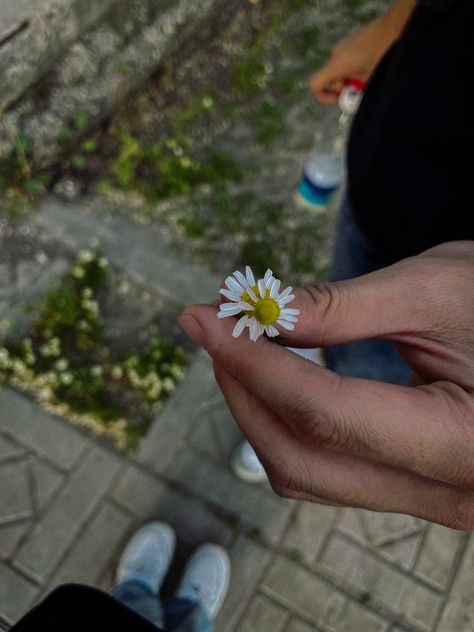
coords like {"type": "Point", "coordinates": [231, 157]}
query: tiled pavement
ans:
{"type": "Point", "coordinates": [68, 505]}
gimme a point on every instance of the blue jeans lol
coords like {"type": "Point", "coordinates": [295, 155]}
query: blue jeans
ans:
{"type": "Point", "coordinates": [374, 359]}
{"type": "Point", "coordinates": [180, 615]}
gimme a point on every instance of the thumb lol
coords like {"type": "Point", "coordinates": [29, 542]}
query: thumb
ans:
{"type": "Point", "coordinates": [327, 84]}
{"type": "Point", "coordinates": [384, 304]}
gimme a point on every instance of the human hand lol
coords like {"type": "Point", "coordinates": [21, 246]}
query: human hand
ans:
{"type": "Point", "coordinates": [354, 56]}
{"type": "Point", "coordinates": [353, 442]}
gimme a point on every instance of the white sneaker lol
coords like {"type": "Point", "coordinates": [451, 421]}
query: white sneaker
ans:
{"type": "Point", "coordinates": [147, 556]}
{"type": "Point", "coordinates": [245, 464]}
{"type": "Point", "coordinates": [206, 578]}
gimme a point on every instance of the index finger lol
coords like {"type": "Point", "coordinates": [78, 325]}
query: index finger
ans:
{"type": "Point", "coordinates": [418, 429]}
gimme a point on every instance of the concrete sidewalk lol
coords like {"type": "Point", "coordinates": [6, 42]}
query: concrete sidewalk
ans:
{"type": "Point", "coordinates": [68, 505]}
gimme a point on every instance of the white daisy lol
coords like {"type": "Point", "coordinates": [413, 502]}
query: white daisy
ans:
{"type": "Point", "coordinates": [262, 304]}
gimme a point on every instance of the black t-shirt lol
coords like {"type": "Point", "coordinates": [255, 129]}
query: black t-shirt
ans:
{"type": "Point", "coordinates": [410, 155]}
{"type": "Point", "coordinates": [77, 608]}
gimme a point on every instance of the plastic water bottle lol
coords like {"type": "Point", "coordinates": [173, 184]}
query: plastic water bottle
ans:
{"type": "Point", "coordinates": [324, 170]}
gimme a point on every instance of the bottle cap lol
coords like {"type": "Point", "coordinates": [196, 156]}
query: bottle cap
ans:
{"type": "Point", "coordinates": [351, 95]}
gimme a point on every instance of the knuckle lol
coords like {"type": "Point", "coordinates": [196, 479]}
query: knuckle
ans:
{"type": "Point", "coordinates": [285, 481]}
{"type": "Point", "coordinates": [324, 301]}
{"type": "Point", "coordinates": [456, 407]}
{"type": "Point", "coordinates": [318, 426]}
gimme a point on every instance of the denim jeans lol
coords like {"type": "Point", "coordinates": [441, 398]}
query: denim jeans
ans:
{"type": "Point", "coordinates": [179, 615]}
{"type": "Point", "coordinates": [374, 359]}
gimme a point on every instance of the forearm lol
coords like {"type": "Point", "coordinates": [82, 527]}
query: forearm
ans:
{"type": "Point", "coordinates": [398, 15]}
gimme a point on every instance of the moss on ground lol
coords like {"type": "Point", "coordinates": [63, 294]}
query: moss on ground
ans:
{"type": "Point", "coordinates": [67, 364]}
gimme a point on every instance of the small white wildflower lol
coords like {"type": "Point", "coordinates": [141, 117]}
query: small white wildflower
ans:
{"type": "Point", "coordinates": [168, 385]}
{"type": "Point", "coordinates": [102, 262]}
{"type": "Point", "coordinates": [86, 255]}
{"type": "Point", "coordinates": [261, 302]}
{"type": "Point", "coordinates": [78, 272]}
{"type": "Point", "coordinates": [177, 371]}
{"type": "Point", "coordinates": [66, 378]}
{"type": "Point", "coordinates": [87, 292]}
{"type": "Point", "coordinates": [61, 364]}
{"type": "Point", "coordinates": [117, 372]}
{"type": "Point", "coordinates": [97, 371]}
{"type": "Point", "coordinates": [30, 358]}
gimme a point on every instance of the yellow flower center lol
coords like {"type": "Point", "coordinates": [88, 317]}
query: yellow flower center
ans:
{"type": "Point", "coordinates": [267, 311]}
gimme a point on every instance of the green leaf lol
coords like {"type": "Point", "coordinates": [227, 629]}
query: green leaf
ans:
{"type": "Point", "coordinates": [79, 162]}
{"type": "Point", "coordinates": [81, 120]}
{"type": "Point", "coordinates": [37, 183]}
{"type": "Point", "coordinates": [89, 145]}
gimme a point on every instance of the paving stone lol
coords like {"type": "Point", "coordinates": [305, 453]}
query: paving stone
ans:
{"type": "Point", "coordinates": [308, 529]}
{"type": "Point", "coordinates": [140, 250]}
{"type": "Point", "coordinates": [95, 546]}
{"type": "Point", "coordinates": [355, 568]}
{"type": "Point", "coordinates": [204, 439]}
{"type": "Point", "coordinates": [299, 590]}
{"type": "Point", "coordinates": [227, 432]}
{"type": "Point", "coordinates": [387, 527]}
{"type": "Point", "coordinates": [63, 520]}
{"type": "Point", "coordinates": [458, 615]}
{"type": "Point", "coordinates": [248, 562]}
{"type": "Point", "coordinates": [11, 535]}
{"type": "Point", "coordinates": [308, 595]}
{"type": "Point", "coordinates": [350, 521]}
{"type": "Point", "coordinates": [149, 498]}
{"type": "Point", "coordinates": [158, 449]}
{"type": "Point", "coordinates": [16, 495]}
{"type": "Point", "coordinates": [9, 449]}
{"type": "Point", "coordinates": [43, 434]}
{"type": "Point", "coordinates": [404, 551]}
{"type": "Point", "coordinates": [438, 556]}
{"type": "Point", "coordinates": [297, 625]}
{"type": "Point", "coordinates": [345, 615]}
{"type": "Point", "coordinates": [139, 491]}
{"type": "Point", "coordinates": [250, 503]}
{"type": "Point", "coordinates": [263, 615]}
{"type": "Point", "coordinates": [16, 594]}
{"type": "Point", "coordinates": [46, 482]}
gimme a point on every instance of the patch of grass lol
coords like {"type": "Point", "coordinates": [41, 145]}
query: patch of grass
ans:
{"type": "Point", "coordinates": [17, 172]}
{"type": "Point", "coordinates": [269, 121]}
{"type": "Point", "coordinates": [66, 363]}
{"type": "Point", "coordinates": [170, 167]}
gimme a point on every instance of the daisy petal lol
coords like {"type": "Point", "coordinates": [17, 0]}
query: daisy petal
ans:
{"type": "Point", "coordinates": [290, 311]}
{"type": "Point", "coordinates": [261, 288]}
{"type": "Point", "coordinates": [240, 326]}
{"type": "Point", "coordinates": [275, 287]}
{"type": "Point", "coordinates": [245, 306]}
{"type": "Point", "coordinates": [285, 293]}
{"type": "Point", "coordinates": [253, 331]}
{"type": "Point", "coordinates": [267, 277]}
{"type": "Point", "coordinates": [286, 300]}
{"type": "Point", "coordinates": [240, 278]}
{"type": "Point", "coordinates": [272, 331]}
{"type": "Point", "coordinates": [230, 307]}
{"type": "Point", "coordinates": [288, 318]}
{"type": "Point", "coordinates": [285, 325]}
{"type": "Point", "coordinates": [249, 275]}
{"type": "Point", "coordinates": [251, 293]}
{"type": "Point", "coordinates": [230, 295]}
{"type": "Point", "coordinates": [225, 314]}
{"type": "Point", "coordinates": [234, 286]}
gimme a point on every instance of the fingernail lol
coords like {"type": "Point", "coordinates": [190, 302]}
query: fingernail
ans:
{"type": "Point", "coordinates": [193, 328]}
